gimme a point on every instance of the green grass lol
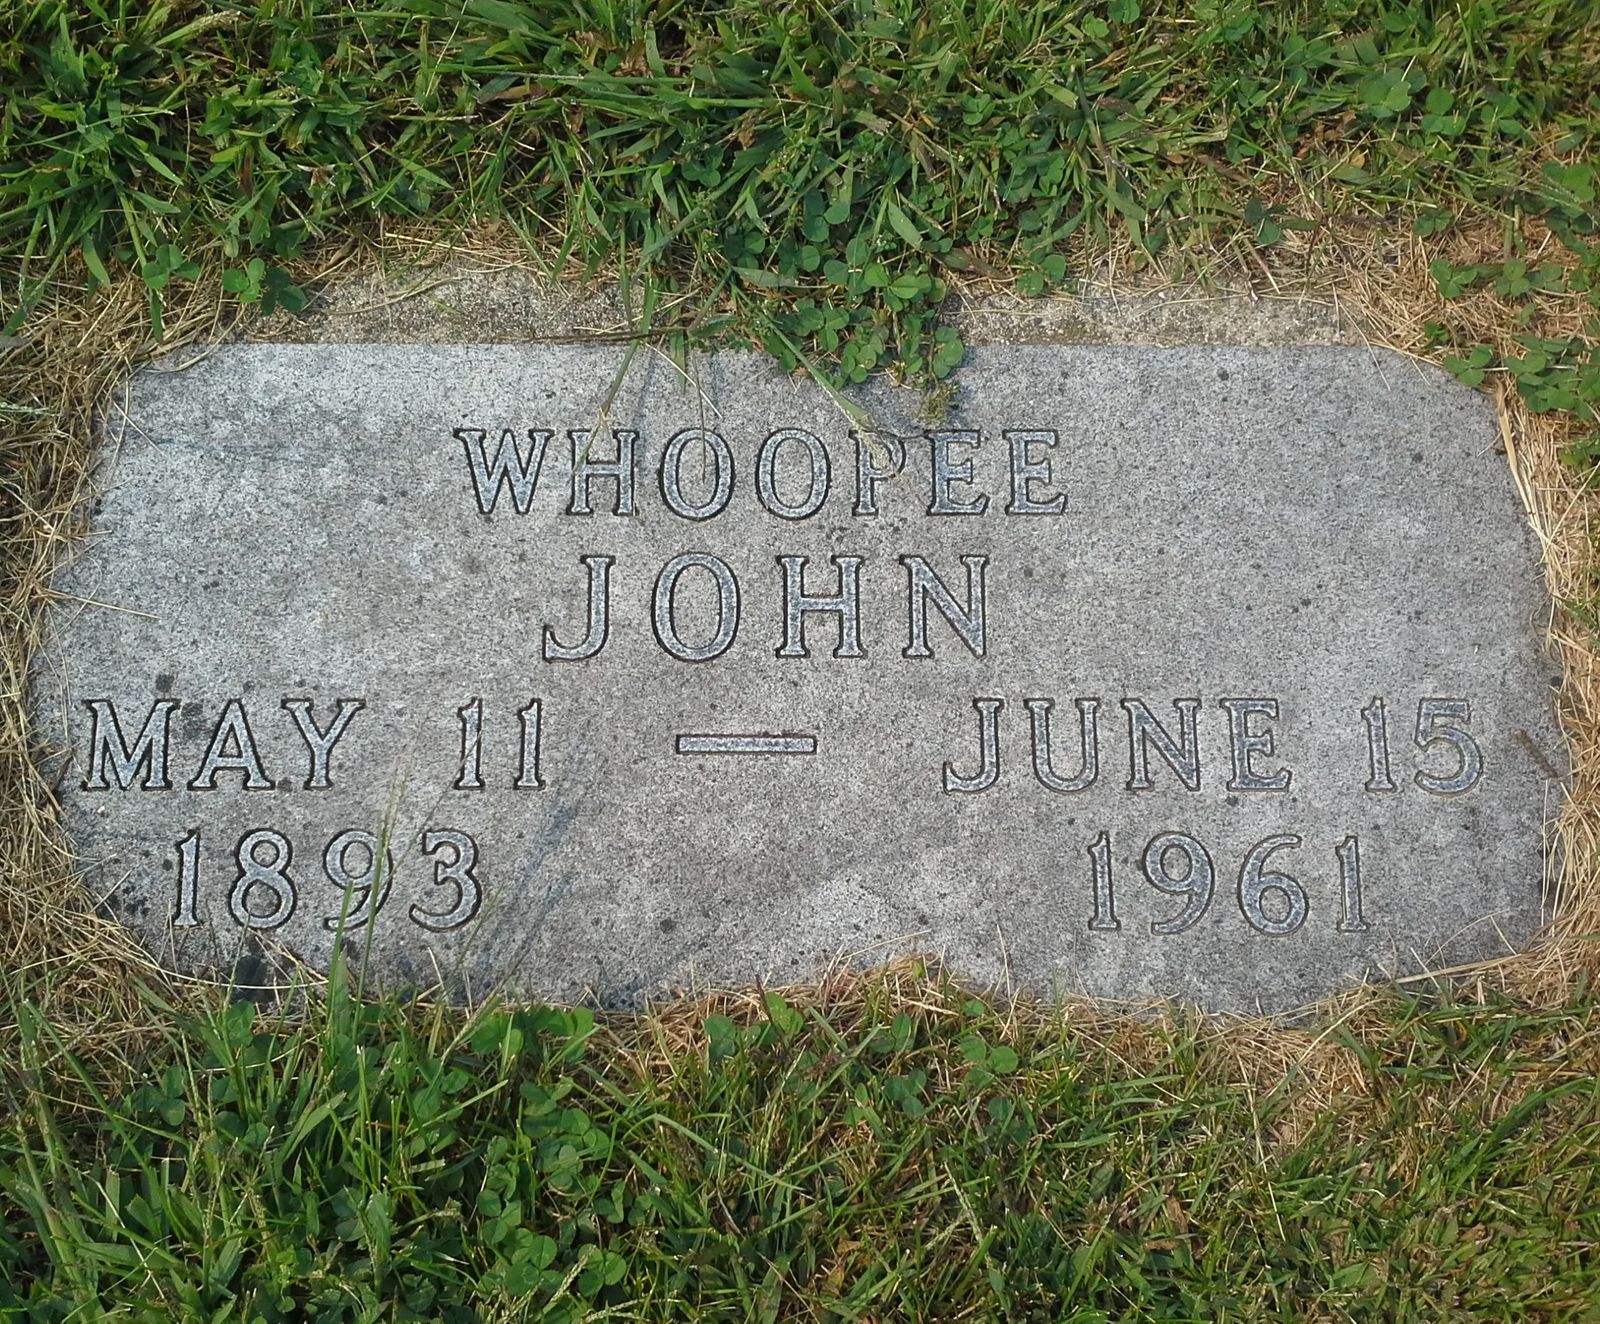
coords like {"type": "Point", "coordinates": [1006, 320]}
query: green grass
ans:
{"type": "Point", "coordinates": [814, 178]}
{"type": "Point", "coordinates": [885, 1161]}
{"type": "Point", "coordinates": [813, 173]}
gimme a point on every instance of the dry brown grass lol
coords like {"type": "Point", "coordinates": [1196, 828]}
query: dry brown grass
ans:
{"type": "Point", "coordinates": [85, 973]}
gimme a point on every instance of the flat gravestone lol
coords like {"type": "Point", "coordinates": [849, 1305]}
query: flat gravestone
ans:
{"type": "Point", "coordinates": [1209, 674]}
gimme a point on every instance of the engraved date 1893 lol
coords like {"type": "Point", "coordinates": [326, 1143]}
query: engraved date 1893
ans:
{"type": "Point", "coordinates": [357, 866]}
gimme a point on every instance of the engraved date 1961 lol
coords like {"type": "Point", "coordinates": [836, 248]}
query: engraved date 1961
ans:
{"type": "Point", "coordinates": [1272, 901]}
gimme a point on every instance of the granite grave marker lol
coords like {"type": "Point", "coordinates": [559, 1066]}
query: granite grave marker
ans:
{"type": "Point", "coordinates": [1202, 673]}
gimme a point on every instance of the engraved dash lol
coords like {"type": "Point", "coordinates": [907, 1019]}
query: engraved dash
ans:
{"type": "Point", "coordinates": [748, 744]}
